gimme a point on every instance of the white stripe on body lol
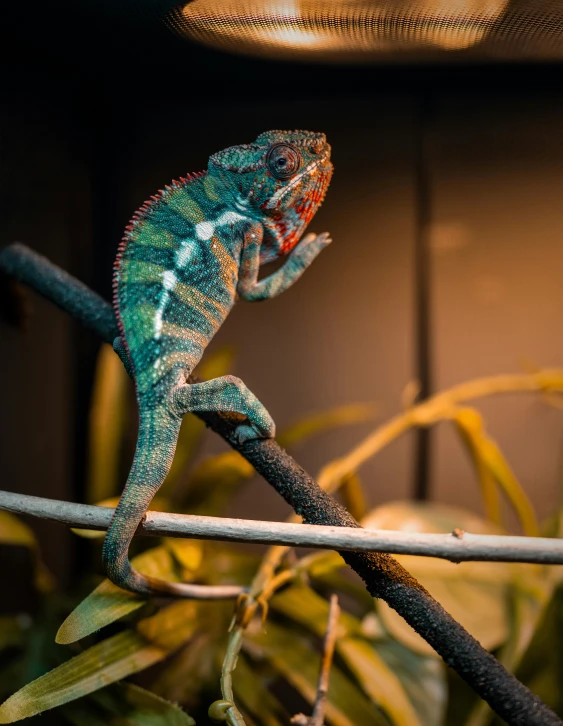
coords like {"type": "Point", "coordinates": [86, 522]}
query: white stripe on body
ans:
{"type": "Point", "coordinates": [204, 231]}
{"type": "Point", "coordinates": [169, 281]}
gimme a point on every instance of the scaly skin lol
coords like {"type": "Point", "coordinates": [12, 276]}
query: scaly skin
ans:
{"type": "Point", "coordinates": [186, 256]}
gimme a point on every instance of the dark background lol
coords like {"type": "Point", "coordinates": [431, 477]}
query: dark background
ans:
{"type": "Point", "coordinates": [101, 106]}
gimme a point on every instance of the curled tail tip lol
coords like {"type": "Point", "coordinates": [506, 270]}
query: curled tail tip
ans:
{"type": "Point", "coordinates": [127, 578]}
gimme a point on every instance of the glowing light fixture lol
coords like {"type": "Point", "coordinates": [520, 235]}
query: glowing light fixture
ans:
{"type": "Point", "coordinates": [337, 29]}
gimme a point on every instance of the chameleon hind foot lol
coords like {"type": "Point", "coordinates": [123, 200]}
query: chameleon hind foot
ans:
{"type": "Point", "coordinates": [227, 394]}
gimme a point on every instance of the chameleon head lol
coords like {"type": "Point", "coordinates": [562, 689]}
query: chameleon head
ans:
{"type": "Point", "coordinates": [281, 179]}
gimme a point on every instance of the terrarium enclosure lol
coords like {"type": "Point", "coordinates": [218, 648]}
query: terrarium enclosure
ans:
{"type": "Point", "coordinates": [446, 267]}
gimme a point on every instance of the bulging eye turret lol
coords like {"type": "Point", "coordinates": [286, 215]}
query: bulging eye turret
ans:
{"type": "Point", "coordinates": [283, 161]}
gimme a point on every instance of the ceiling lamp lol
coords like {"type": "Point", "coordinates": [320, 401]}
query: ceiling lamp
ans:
{"type": "Point", "coordinates": [363, 30]}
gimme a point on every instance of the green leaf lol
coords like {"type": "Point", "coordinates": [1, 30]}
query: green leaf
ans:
{"type": "Point", "coordinates": [378, 682]}
{"type": "Point", "coordinates": [124, 704]}
{"type": "Point", "coordinates": [109, 661]}
{"type": "Point", "coordinates": [308, 426]}
{"type": "Point", "coordinates": [254, 696]}
{"type": "Point", "coordinates": [541, 668]}
{"type": "Point", "coordinates": [108, 602]}
{"type": "Point", "coordinates": [529, 600]}
{"type": "Point", "coordinates": [423, 678]}
{"type": "Point", "coordinates": [306, 607]}
{"type": "Point", "coordinates": [107, 419]}
{"type": "Point", "coordinates": [291, 656]}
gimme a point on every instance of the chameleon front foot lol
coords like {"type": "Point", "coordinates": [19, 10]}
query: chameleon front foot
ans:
{"type": "Point", "coordinates": [227, 394]}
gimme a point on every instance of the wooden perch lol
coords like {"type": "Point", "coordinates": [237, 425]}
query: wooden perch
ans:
{"type": "Point", "coordinates": [457, 546]}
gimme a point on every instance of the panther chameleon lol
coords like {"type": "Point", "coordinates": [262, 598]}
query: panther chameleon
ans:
{"type": "Point", "coordinates": [186, 256]}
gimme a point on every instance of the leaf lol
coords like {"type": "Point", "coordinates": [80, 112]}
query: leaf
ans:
{"type": "Point", "coordinates": [466, 590]}
{"type": "Point", "coordinates": [423, 678]}
{"type": "Point", "coordinates": [16, 533]}
{"type": "Point", "coordinates": [306, 607]}
{"type": "Point", "coordinates": [529, 602]}
{"type": "Point", "coordinates": [353, 497]}
{"type": "Point", "coordinates": [469, 425]}
{"type": "Point", "coordinates": [491, 457]}
{"type": "Point", "coordinates": [378, 682]}
{"type": "Point", "coordinates": [291, 657]}
{"type": "Point", "coordinates": [215, 481]}
{"type": "Point", "coordinates": [541, 668]}
{"type": "Point", "coordinates": [255, 698]}
{"type": "Point", "coordinates": [124, 704]}
{"type": "Point", "coordinates": [187, 552]}
{"type": "Point", "coordinates": [108, 602]}
{"type": "Point", "coordinates": [158, 504]}
{"type": "Point", "coordinates": [107, 418]}
{"type": "Point", "coordinates": [314, 424]}
{"type": "Point", "coordinates": [109, 661]}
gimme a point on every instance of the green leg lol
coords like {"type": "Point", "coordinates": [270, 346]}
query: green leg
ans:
{"type": "Point", "coordinates": [250, 288]}
{"type": "Point", "coordinates": [227, 394]}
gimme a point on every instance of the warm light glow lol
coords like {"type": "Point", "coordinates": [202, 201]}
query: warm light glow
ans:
{"type": "Point", "coordinates": [346, 30]}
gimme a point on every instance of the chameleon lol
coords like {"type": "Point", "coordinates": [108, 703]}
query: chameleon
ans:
{"type": "Point", "coordinates": [187, 255]}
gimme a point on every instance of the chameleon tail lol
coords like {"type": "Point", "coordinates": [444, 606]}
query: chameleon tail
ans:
{"type": "Point", "coordinates": [156, 444]}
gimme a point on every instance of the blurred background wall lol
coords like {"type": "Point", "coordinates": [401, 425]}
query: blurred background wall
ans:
{"type": "Point", "coordinates": [99, 109]}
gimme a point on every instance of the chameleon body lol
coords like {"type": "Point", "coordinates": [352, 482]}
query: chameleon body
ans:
{"type": "Point", "coordinates": [187, 254]}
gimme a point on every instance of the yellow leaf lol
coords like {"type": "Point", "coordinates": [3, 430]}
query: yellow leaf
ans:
{"type": "Point", "coordinates": [313, 424]}
{"type": "Point", "coordinates": [491, 457]}
{"type": "Point", "coordinates": [469, 424]}
{"type": "Point", "coordinates": [14, 532]}
{"type": "Point", "coordinates": [108, 413]}
{"type": "Point", "coordinates": [189, 553]}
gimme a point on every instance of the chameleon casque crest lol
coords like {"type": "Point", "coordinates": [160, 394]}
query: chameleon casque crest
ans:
{"type": "Point", "coordinates": [186, 256]}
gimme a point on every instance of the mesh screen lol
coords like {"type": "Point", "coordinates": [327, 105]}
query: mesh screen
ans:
{"type": "Point", "coordinates": [365, 30]}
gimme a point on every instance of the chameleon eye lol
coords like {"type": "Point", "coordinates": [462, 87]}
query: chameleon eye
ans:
{"type": "Point", "coordinates": [283, 161]}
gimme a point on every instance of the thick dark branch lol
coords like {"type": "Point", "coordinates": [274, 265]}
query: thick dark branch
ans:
{"type": "Point", "coordinates": [383, 576]}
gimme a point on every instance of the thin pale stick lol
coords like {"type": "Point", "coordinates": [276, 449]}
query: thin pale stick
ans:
{"type": "Point", "coordinates": [457, 546]}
